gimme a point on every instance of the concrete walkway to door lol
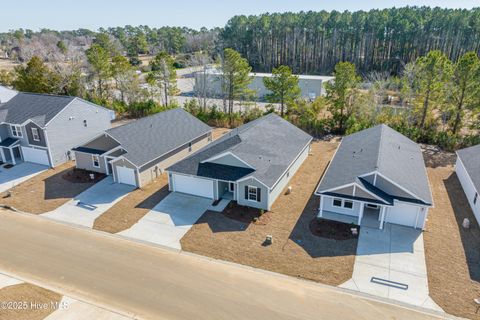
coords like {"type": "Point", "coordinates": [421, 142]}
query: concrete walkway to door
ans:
{"type": "Point", "coordinates": [90, 204]}
{"type": "Point", "coordinates": [170, 219]}
{"type": "Point", "coordinates": [395, 254]}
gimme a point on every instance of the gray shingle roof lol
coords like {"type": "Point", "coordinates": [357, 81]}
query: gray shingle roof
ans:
{"type": "Point", "coordinates": [380, 149]}
{"type": "Point", "coordinates": [471, 161]}
{"type": "Point", "coordinates": [148, 138]}
{"type": "Point", "coordinates": [269, 144]}
{"type": "Point", "coordinates": [222, 172]}
{"type": "Point", "coordinates": [40, 108]}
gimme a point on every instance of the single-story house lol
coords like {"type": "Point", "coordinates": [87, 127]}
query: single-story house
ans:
{"type": "Point", "coordinates": [138, 152]}
{"type": "Point", "coordinates": [376, 176]}
{"type": "Point", "coordinates": [43, 128]}
{"type": "Point", "coordinates": [210, 83]}
{"type": "Point", "coordinates": [6, 94]}
{"type": "Point", "coordinates": [467, 168]}
{"type": "Point", "coordinates": [251, 164]}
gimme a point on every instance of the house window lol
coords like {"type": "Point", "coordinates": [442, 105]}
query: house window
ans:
{"type": "Point", "coordinates": [16, 131]}
{"type": "Point", "coordinates": [475, 198]}
{"type": "Point", "coordinates": [35, 135]}
{"type": "Point", "coordinates": [231, 186]}
{"type": "Point", "coordinates": [252, 193]}
{"type": "Point", "coordinates": [96, 161]}
{"type": "Point", "coordinates": [85, 123]}
{"type": "Point", "coordinates": [337, 202]}
{"type": "Point", "coordinates": [348, 204]}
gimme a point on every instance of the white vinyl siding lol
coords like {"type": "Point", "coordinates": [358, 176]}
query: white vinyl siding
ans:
{"type": "Point", "coordinates": [470, 192]}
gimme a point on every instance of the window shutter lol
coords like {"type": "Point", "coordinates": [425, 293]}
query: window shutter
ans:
{"type": "Point", "coordinates": [246, 192]}
{"type": "Point", "coordinates": [259, 191]}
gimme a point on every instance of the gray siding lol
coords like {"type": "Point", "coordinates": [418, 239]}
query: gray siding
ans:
{"type": "Point", "coordinates": [103, 142]}
{"type": "Point", "coordinates": [154, 169]}
{"type": "Point", "coordinates": [389, 188]}
{"type": "Point", "coordinates": [126, 164]}
{"type": "Point", "coordinates": [84, 161]}
{"type": "Point", "coordinates": [67, 130]}
{"type": "Point", "coordinates": [283, 181]}
{"type": "Point", "coordinates": [4, 131]}
{"type": "Point", "coordinates": [263, 204]}
{"type": "Point", "coordinates": [28, 129]}
{"type": "Point", "coordinates": [230, 160]}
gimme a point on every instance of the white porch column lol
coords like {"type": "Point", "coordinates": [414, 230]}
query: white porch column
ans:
{"type": "Point", "coordinates": [13, 158]}
{"type": "Point", "coordinates": [320, 209]}
{"type": "Point", "coordinates": [360, 214]}
{"type": "Point", "coordinates": [425, 218]}
{"type": "Point", "coordinates": [382, 216]}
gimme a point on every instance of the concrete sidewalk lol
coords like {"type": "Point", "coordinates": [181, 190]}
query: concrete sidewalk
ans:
{"type": "Point", "coordinates": [149, 282]}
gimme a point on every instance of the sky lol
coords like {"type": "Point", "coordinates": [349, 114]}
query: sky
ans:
{"type": "Point", "coordinates": [92, 14]}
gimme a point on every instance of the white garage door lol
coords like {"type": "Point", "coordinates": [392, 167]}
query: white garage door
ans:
{"type": "Point", "coordinates": [35, 155]}
{"type": "Point", "coordinates": [405, 215]}
{"type": "Point", "coordinates": [192, 185]}
{"type": "Point", "coordinates": [126, 176]}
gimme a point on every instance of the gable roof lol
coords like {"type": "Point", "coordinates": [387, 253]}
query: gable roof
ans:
{"type": "Point", "coordinates": [40, 108]}
{"type": "Point", "coordinates": [379, 149]}
{"type": "Point", "coordinates": [470, 158]}
{"type": "Point", "coordinates": [6, 94]}
{"type": "Point", "coordinates": [151, 137]}
{"type": "Point", "coordinates": [269, 144]}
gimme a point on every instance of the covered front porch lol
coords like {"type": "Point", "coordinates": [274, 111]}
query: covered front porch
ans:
{"type": "Point", "coordinates": [226, 190]}
{"type": "Point", "coordinates": [10, 151]}
{"type": "Point", "coordinates": [350, 211]}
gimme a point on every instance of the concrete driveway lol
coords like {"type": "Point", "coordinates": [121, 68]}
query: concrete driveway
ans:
{"type": "Point", "coordinates": [169, 220]}
{"type": "Point", "coordinates": [90, 204]}
{"type": "Point", "coordinates": [395, 254]}
{"type": "Point", "coordinates": [19, 173]}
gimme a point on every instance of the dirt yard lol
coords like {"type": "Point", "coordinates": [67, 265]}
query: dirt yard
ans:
{"type": "Point", "coordinates": [295, 250]}
{"type": "Point", "coordinates": [133, 207]}
{"type": "Point", "coordinates": [28, 293]}
{"type": "Point", "coordinates": [452, 253]}
{"type": "Point", "coordinates": [46, 191]}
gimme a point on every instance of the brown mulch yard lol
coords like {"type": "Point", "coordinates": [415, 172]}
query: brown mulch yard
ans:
{"type": "Point", "coordinates": [46, 191]}
{"type": "Point", "coordinates": [452, 253]}
{"type": "Point", "coordinates": [28, 293]}
{"type": "Point", "coordinates": [133, 207]}
{"type": "Point", "coordinates": [295, 250]}
{"type": "Point", "coordinates": [333, 229]}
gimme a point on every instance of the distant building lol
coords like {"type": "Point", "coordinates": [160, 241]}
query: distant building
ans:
{"type": "Point", "coordinates": [6, 94]}
{"type": "Point", "coordinates": [210, 82]}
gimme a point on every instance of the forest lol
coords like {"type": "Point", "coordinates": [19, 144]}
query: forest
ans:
{"type": "Point", "coordinates": [313, 42]}
{"type": "Point", "coordinates": [416, 69]}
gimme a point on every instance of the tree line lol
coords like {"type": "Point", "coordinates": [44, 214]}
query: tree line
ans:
{"type": "Point", "coordinates": [314, 42]}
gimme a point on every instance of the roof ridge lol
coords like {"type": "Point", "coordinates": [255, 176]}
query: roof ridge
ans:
{"type": "Point", "coordinates": [46, 94]}
{"type": "Point", "coordinates": [136, 121]}
{"type": "Point", "coordinates": [380, 143]}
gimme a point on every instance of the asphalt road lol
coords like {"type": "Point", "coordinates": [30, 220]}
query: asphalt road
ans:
{"type": "Point", "coordinates": [154, 283]}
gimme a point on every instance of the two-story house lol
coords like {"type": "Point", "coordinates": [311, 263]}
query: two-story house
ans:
{"type": "Point", "coordinates": [43, 128]}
